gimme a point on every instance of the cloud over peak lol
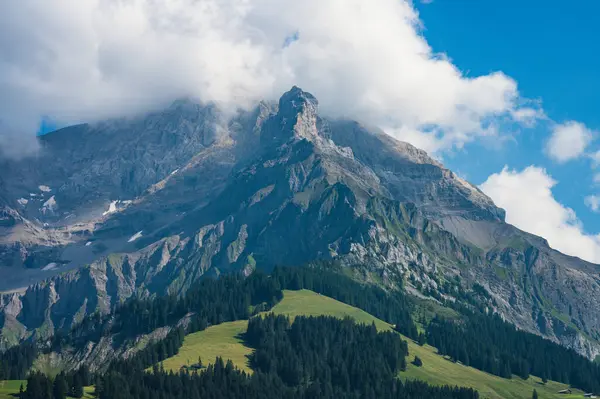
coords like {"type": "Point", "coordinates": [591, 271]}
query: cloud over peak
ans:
{"type": "Point", "coordinates": [89, 60]}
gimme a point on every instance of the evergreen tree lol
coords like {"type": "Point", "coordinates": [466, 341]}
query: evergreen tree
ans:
{"type": "Point", "coordinates": [534, 395]}
{"type": "Point", "coordinates": [490, 344]}
{"type": "Point", "coordinates": [60, 388]}
{"type": "Point", "coordinates": [77, 388]}
{"type": "Point", "coordinates": [417, 362]}
{"type": "Point", "coordinates": [289, 362]}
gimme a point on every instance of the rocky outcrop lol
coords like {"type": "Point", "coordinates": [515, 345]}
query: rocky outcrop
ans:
{"type": "Point", "coordinates": [279, 185]}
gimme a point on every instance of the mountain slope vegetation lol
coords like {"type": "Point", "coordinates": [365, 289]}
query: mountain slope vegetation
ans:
{"type": "Point", "coordinates": [436, 369]}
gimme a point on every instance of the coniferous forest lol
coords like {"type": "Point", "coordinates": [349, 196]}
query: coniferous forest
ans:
{"type": "Point", "coordinates": [311, 357]}
{"type": "Point", "coordinates": [319, 357]}
{"type": "Point", "coordinates": [392, 307]}
{"type": "Point", "coordinates": [211, 301]}
{"type": "Point", "coordinates": [16, 361]}
{"type": "Point", "coordinates": [490, 344]}
{"type": "Point", "coordinates": [39, 386]}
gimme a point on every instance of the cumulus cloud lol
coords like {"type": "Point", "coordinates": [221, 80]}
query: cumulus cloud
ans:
{"type": "Point", "coordinates": [529, 116]}
{"type": "Point", "coordinates": [593, 202]}
{"type": "Point", "coordinates": [94, 59]}
{"type": "Point", "coordinates": [568, 141]}
{"type": "Point", "coordinates": [530, 205]}
{"type": "Point", "coordinates": [595, 158]}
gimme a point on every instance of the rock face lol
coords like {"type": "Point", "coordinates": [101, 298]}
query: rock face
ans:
{"type": "Point", "coordinates": [146, 206]}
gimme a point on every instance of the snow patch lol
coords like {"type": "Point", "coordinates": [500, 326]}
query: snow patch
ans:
{"type": "Point", "coordinates": [117, 206]}
{"type": "Point", "coordinates": [112, 208]}
{"type": "Point", "coordinates": [45, 189]}
{"type": "Point", "coordinates": [23, 201]}
{"type": "Point", "coordinates": [49, 206]}
{"type": "Point", "coordinates": [135, 236]}
{"type": "Point", "coordinates": [87, 244]}
{"type": "Point", "coordinates": [175, 171]}
{"type": "Point", "coordinates": [50, 266]}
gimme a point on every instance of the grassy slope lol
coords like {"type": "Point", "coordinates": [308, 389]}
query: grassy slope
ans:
{"type": "Point", "coordinates": [224, 340]}
{"type": "Point", "coordinates": [220, 340]}
{"type": "Point", "coordinates": [10, 390]}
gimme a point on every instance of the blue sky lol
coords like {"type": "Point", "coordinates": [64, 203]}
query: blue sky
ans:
{"type": "Point", "coordinates": [551, 49]}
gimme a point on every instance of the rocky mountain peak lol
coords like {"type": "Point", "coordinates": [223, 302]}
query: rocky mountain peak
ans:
{"type": "Point", "coordinates": [296, 101]}
{"type": "Point", "coordinates": [297, 117]}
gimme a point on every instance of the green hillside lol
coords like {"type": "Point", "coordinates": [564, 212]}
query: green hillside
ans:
{"type": "Point", "coordinates": [10, 390]}
{"type": "Point", "coordinates": [224, 340]}
{"type": "Point", "coordinates": [221, 340]}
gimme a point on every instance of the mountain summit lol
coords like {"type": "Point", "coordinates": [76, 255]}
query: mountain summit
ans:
{"type": "Point", "coordinates": [296, 118]}
{"type": "Point", "coordinates": [149, 205]}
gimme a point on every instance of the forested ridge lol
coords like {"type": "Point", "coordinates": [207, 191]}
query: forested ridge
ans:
{"type": "Point", "coordinates": [390, 306]}
{"type": "Point", "coordinates": [259, 287]}
{"type": "Point", "coordinates": [16, 361]}
{"type": "Point", "coordinates": [321, 357]}
{"type": "Point", "coordinates": [490, 344]}
{"type": "Point", "coordinates": [39, 386]}
{"type": "Point", "coordinates": [312, 354]}
{"type": "Point", "coordinates": [312, 348]}
{"type": "Point", "coordinates": [210, 301]}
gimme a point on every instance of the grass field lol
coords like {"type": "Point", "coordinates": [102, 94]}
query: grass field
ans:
{"type": "Point", "coordinates": [308, 303]}
{"type": "Point", "coordinates": [220, 340]}
{"type": "Point", "coordinates": [10, 390]}
{"type": "Point", "coordinates": [224, 340]}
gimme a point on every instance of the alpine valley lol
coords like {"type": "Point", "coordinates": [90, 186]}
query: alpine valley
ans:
{"type": "Point", "coordinates": [145, 207]}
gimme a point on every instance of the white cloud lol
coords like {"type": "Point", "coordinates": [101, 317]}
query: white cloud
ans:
{"type": "Point", "coordinates": [93, 59]}
{"type": "Point", "coordinates": [593, 202]}
{"type": "Point", "coordinates": [528, 116]}
{"type": "Point", "coordinates": [568, 141]}
{"type": "Point", "coordinates": [595, 157]}
{"type": "Point", "coordinates": [530, 205]}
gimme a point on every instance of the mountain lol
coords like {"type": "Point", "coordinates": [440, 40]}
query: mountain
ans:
{"type": "Point", "coordinates": [146, 206]}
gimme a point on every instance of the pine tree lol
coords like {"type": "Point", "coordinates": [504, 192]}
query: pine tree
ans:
{"type": "Point", "coordinates": [77, 389]}
{"type": "Point", "coordinates": [534, 395]}
{"type": "Point", "coordinates": [59, 388]}
{"type": "Point", "coordinates": [418, 362]}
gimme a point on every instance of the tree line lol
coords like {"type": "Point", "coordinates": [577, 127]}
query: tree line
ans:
{"type": "Point", "coordinates": [210, 301]}
{"type": "Point", "coordinates": [488, 343]}
{"type": "Point", "coordinates": [391, 306]}
{"type": "Point", "coordinates": [40, 386]}
{"type": "Point", "coordinates": [353, 356]}
{"type": "Point", "coordinates": [16, 361]}
{"type": "Point", "coordinates": [321, 357]}
{"type": "Point", "coordinates": [479, 340]}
